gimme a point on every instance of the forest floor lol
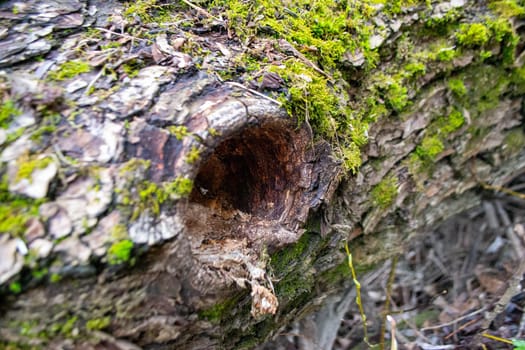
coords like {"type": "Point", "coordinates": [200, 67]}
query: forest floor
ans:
{"type": "Point", "coordinates": [464, 280]}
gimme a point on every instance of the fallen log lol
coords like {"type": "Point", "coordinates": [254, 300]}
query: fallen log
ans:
{"type": "Point", "coordinates": [158, 192]}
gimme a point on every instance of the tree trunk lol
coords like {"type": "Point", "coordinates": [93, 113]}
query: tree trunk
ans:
{"type": "Point", "coordinates": [159, 194]}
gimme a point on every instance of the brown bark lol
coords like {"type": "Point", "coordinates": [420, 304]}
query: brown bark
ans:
{"type": "Point", "coordinates": [258, 242]}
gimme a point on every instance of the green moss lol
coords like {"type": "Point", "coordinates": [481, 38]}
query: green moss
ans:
{"type": "Point", "coordinates": [68, 70]}
{"type": "Point", "coordinates": [8, 111]}
{"type": "Point", "coordinates": [397, 96]}
{"type": "Point", "coordinates": [15, 287]}
{"type": "Point", "coordinates": [119, 232]}
{"type": "Point", "coordinates": [133, 165]}
{"type": "Point", "coordinates": [178, 188]}
{"type": "Point", "coordinates": [473, 34]}
{"type": "Point", "coordinates": [430, 148]}
{"type": "Point", "coordinates": [179, 131]}
{"type": "Point", "coordinates": [55, 278]}
{"type": "Point", "coordinates": [68, 326]}
{"type": "Point", "coordinates": [451, 123]}
{"type": "Point", "coordinates": [98, 323]}
{"type": "Point", "coordinates": [150, 11]}
{"type": "Point", "coordinates": [193, 155]}
{"type": "Point", "coordinates": [457, 87]}
{"type": "Point", "coordinates": [284, 260]}
{"type": "Point", "coordinates": [507, 8]}
{"type": "Point", "coordinates": [416, 68]}
{"type": "Point", "coordinates": [385, 192]}
{"type": "Point", "coordinates": [120, 252]}
{"type": "Point", "coordinates": [220, 311]}
{"type": "Point", "coordinates": [446, 54]}
{"type": "Point", "coordinates": [26, 166]}
{"type": "Point", "coordinates": [514, 142]}
{"type": "Point", "coordinates": [15, 210]}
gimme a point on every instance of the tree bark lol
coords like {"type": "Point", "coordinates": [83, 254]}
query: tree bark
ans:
{"type": "Point", "coordinates": [169, 209]}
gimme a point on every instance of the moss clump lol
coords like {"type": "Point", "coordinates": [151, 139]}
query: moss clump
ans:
{"type": "Point", "coordinates": [120, 252]}
{"type": "Point", "coordinates": [385, 192]}
{"type": "Point", "coordinates": [98, 323]}
{"type": "Point", "coordinates": [193, 155]}
{"type": "Point", "coordinates": [472, 35]}
{"type": "Point", "coordinates": [397, 96]}
{"type": "Point", "coordinates": [446, 54]}
{"type": "Point", "coordinates": [27, 166]}
{"type": "Point", "coordinates": [69, 69]}
{"type": "Point", "coordinates": [451, 123]}
{"type": "Point", "coordinates": [178, 188]}
{"type": "Point", "coordinates": [15, 287]}
{"type": "Point", "coordinates": [15, 210]}
{"type": "Point", "coordinates": [8, 111]}
{"type": "Point", "coordinates": [179, 131]}
{"type": "Point", "coordinates": [284, 260]}
{"type": "Point", "coordinates": [430, 148]}
{"type": "Point", "coordinates": [457, 87]}
{"type": "Point", "coordinates": [415, 68]}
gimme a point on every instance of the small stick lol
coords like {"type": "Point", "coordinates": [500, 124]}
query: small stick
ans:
{"type": "Point", "coordinates": [462, 327]}
{"type": "Point", "coordinates": [453, 322]}
{"type": "Point", "coordinates": [122, 35]}
{"type": "Point", "coordinates": [201, 10]}
{"type": "Point", "coordinates": [232, 83]}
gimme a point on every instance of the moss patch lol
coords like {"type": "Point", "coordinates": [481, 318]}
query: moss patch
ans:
{"type": "Point", "coordinates": [69, 69]}
{"type": "Point", "coordinates": [120, 252]}
{"type": "Point", "coordinates": [8, 111]}
{"type": "Point", "coordinates": [385, 192]}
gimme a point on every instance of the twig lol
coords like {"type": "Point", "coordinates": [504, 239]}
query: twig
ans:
{"type": "Point", "coordinates": [462, 327]}
{"type": "Point", "coordinates": [201, 10]}
{"type": "Point", "coordinates": [94, 80]}
{"type": "Point", "coordinates": [451, 323]}
{"type": "Point", "coordinates": [393, 342]}
{"type": "Point", "coordinates": [122, 35]}
{"type": "Point", "coordinates": [386, 309]}
{"type": "Point", "coordinates": [232, 83]}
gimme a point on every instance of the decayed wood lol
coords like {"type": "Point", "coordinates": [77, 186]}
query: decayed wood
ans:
{"type": "Point", "coordinates": [201, 275]}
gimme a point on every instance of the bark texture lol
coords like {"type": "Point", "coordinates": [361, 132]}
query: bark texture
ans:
{"type": "Point", "coordinates": [148, 203]}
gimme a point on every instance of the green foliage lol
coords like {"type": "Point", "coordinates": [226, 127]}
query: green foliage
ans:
{"type": "Point", "coordinates": [518, 344]}
{"type": "Point", "coordinates": [457, 87]}
{"type": "Point", "coordinates": [385, 192]}
{"type": "Point", "coordinates": [430, 148]}
{"type": "Point", "coordinates": [472, 35]}
{"type": "Point", "coordinates": [98, 323]}
{"type": "Point", "coordinates": [69, 69]}
{"type": "Point", "coordinates": [8, 111]}
{"type": "Point", "coordinates": [120, 252]}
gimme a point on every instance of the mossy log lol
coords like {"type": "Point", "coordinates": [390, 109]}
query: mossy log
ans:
{"type": "Point", "coordinates": [178, 176]}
